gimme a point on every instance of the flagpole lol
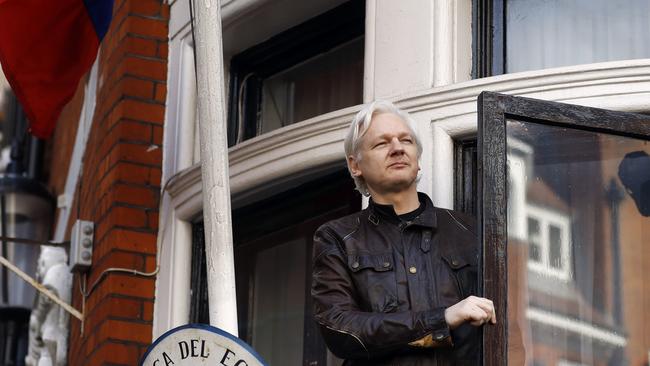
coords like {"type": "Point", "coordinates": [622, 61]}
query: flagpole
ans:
{"type": "Point", "coordinates": [214, 165]}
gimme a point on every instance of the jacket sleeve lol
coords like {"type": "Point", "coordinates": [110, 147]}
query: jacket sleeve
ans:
{"type": "Point", "coordinates": [352, 333]}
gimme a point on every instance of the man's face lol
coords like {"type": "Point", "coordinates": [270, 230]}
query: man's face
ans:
{"type": "Point", "coordinates": [388, 156]}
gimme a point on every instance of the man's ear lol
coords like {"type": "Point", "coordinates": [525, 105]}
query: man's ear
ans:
{"type": "Point", "coordinates": [354, 166]}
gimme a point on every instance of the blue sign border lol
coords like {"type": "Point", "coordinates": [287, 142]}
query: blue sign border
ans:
{"type": "Point", "coordinates": [207, 327]}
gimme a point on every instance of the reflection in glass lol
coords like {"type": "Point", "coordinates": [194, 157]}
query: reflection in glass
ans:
{"type": "Point", "coordinates": [552, 33]}
{"type": "Point", "coordinates": [578, 247]}
{"type": "Point", "coordinates": [534, 240]}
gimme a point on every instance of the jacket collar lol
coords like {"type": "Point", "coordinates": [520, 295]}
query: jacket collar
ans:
{"type": "Point", "coordinates": [378, 212]}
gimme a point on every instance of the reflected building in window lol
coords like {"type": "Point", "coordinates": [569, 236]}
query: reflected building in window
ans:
{"type": "Point", "coordinates": [577, 250]}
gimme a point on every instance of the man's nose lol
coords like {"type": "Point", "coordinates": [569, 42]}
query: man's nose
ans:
{"type": "Point", "coordinates": [396, 146]}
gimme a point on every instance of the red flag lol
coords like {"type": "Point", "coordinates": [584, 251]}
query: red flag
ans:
{"type": "Point", "coordinates": [46, 46]}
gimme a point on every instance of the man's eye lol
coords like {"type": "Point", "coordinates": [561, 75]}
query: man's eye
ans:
{"type": "Point", "coordinates": [407, 141]}
{"type": "Point", "coordinates": [379, 144]}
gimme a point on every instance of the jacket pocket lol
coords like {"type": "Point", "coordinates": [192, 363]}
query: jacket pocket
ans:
{"type": "Point", "coordinates": [374, 276]}
{"type": "Point", "coordinates": [464, 273]}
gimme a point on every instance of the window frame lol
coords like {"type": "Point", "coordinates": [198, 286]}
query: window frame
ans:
{"type": "Point", "coordinates": [494, 110]}
{"type": "Point", "coordinates": [250, 68]}
{"type": "Point", "coordinates": [547, 218]}
{"type": "Point", "coordinates": [488, 32]}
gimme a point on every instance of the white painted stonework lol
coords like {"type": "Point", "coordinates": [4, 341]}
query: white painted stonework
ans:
{"type": "Point", "coordinates": [48, 323]}
{"type": "Point", "coordinates": [423, 67]}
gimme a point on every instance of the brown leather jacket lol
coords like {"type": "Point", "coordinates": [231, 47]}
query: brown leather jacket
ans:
{"type": "Point", "coordinates": [380, 286]}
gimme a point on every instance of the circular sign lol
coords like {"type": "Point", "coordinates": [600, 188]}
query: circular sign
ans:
{"type": "Point", "coordinates": [200, 344]}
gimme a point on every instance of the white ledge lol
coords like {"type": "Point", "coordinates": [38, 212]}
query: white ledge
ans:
{"type": "Point", "coordinates": [317, 142]}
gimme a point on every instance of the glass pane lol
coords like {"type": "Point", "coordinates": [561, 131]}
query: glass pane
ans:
{"type": "Point", "coordinates": [578, 247]}
{"type": "Point", "coordinates": [279, 303]}
{"type": "Point", "coordinates": [534, 252]}
{"type": "Point", "coordinates": [555, 247]}
{"type": "Point", "coordinates": [552, 33]}
{"type": "Point", "coordinates": [322, 84]}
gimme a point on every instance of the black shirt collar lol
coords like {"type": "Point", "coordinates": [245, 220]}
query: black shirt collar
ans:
{"type": "Point", "coordinates": [427, 217]}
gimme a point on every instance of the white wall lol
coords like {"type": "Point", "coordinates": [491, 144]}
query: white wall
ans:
{"type": "Point", "coordinates": [418, 55]}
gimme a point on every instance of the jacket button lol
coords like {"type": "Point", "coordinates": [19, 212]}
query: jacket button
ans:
{"type": "Point", "coordinates": [413, 270]}
{"type": "Point", "coordinates": [440, 337]}
{"type": "Point", "coordinates": [454, 262]}
{"type": "Point", "coordinates": [355, 265]}
{"type": "Point", "coordinates": [386, 264]}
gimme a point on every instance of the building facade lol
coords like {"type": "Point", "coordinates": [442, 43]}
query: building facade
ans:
{"type": "Point", "coordinates": [126, 156]}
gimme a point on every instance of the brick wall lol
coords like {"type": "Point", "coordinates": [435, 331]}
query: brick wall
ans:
{"type": "Point", "coordinates": [120, 184]}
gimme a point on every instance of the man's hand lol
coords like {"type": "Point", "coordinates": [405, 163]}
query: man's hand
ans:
{"type": "Point", "coordinates": [475, 310]}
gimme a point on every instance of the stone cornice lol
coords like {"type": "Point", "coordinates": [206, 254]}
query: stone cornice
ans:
{"type": "Point", "coordinates": [621, 85]}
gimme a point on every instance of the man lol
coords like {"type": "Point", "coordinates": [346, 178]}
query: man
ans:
{"type": "Point", "coordinates": [393, 284]}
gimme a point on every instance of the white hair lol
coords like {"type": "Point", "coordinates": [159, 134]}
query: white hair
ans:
{"type": "Point", "coordinates": [360, 125]}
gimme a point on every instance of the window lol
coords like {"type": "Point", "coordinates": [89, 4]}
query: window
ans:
{"type": "Point", "coordinates": [534, 241]}
{"type": "Point", "coordinates": [563, 171]}
{"type": "Point", "coordinates": [273, 241]}
{"type": "Point", "coordinates": [308, 70]}
{"type": "Point", "coordinates": [465, 195]}
{"type": "Point", "coordinates": [548, 242]}
{"type": "Point", "coordinates": [519, 35]}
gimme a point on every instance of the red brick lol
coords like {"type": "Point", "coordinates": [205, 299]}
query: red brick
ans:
{"type": "Point", "coordinates": [113, 307]}
{"type": "Point", "coordinates": [130, 217]}
{"type": "Point", "coordinates": [165, 10]}
{"type": "Point", "coordinates": [137, 88]}
{"type": "Point", "coordinates": [120, 216]}
{"type": "Point", "coordinates": [142, 46]}
{"type": "Point", "coordinates": [150, 263]}
{"type": "Point", "coordinates": [155, 177]}
{"type": "Point", "coordinates": [116, 353]}
{"type": "Point", "coordinates": [163, 50]}
{"type": "Point", "coordinates": [121, 172]}
{"type": "Point", "coordinates": [145, 67]}
{"type": "Point", "coordinates": [139, 196]}
{"type": "Point", "coordinates": [134, 131]}
{"type": "Point", "coordinates": [147, 310]}
{"type": "Point", "coordinates": [161, 92]}
{"type": "Point", "coordinates": [154, 28]}
{"type": "Point", "coordinates": [141, 111]}
{"type": "Point", "coordinates": [116, 259]}
{"type": "Point", "coordinates": [126, 172]}
{"type": "Point", "coordinates": [157, 135]}
{"type": "Point", "coordinates": [123, 284]}
{"type": "Point", "coordinates": [152, 218]}
{"type": "Point", "coordinates": [145, 7]}
{"type": "Point", "coordinates": [130, 285]}
{"type": "Point", "coordinates": [124, 239]}
{"type": "Point", "coordinates": [135, 153]}
{"type": "Point", "coordinates": [124, 330]}
{"type": "Point", "coordinates": [132, 45]}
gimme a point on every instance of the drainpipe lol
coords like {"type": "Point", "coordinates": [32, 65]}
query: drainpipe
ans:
{"type": "Point", "coordinates": [214, 165]}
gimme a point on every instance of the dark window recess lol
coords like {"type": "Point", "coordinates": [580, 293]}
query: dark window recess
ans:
{"type": "Point", "coordinates": [465, 196]}
{"type": "Point", "coordinates": [488, 38]}
{"type": "Point", "coordinates": [273, 241]}
{"type": "Point", "coordinates": [199, 280]}
{"type": "Point", "coordinates": [310, 69]}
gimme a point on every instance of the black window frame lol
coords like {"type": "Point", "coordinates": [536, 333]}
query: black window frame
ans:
{"type": "Point", "coordinates": [251, 67]}
{"type": "Point", "coordinates": [488, 38]}
{"type": "Point", "coordinates": [465, 164]}
{"type": "Point", "coordinates": [494, 110]}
